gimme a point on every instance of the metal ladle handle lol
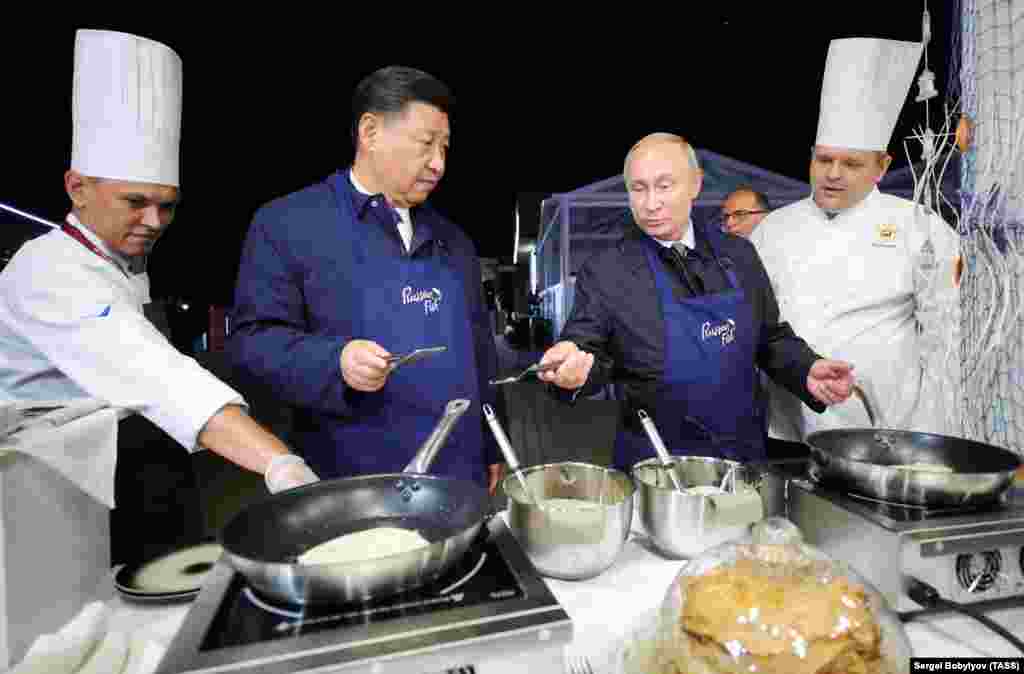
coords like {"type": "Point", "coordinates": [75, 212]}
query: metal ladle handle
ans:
{"type": "Point", "coordinates": [655, 437]}
{"type": "Point", "coordinates": [510, 455]}
{"type": "Point", "coordinates": [499, 434]}
{"type": "Point", "coordinates": [453, 411]}
{"type": "Point", "coordinates": [659, 447]}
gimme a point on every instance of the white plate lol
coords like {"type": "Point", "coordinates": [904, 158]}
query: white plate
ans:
{"type": "Point", "coordinates": [176, 575]}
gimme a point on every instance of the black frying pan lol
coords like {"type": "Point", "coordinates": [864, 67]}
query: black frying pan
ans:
{"type": "Point", "coordinates": [901, 466]}
{"type": "Point", "coordinates": [264, 541]}
{"type": "Point", "coordinates": [867, 461]}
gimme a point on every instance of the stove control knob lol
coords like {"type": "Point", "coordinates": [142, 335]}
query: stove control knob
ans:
{"type": "Point", "coordinates": [1004, 584]}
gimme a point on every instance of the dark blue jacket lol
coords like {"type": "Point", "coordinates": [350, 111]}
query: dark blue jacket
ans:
{"type": "Point", "coordinates": [616, 316]}
{"type": "Point", "coordinates": [298, 294]}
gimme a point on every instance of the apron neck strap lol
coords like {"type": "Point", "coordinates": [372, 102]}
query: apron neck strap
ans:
{"type": "Point", "coordinates": [81, 238]}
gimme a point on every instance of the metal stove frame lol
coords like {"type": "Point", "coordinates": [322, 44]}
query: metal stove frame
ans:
{"type": "Point", "coordinates": [887, 551]}
{"type": "Point", "coordinates": [402, 644]}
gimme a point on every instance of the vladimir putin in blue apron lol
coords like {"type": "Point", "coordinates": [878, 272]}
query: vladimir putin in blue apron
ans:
{"type": "Point", "coordinates": [677, 317]}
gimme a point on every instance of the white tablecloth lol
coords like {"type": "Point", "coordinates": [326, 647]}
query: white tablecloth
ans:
{"type": "Point", "coordinates": [604, 609]}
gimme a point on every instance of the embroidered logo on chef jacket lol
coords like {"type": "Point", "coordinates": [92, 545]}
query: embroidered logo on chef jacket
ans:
{"type": "Point", "coordinates": [725, 331]}
{"type": "Point", "coordinates": [886, 236]}
{"type": "Point", "coordinates": [431, 299]}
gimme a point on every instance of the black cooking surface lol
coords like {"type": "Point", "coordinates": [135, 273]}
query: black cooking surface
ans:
{"type": "Point", "coordinates": [243, 617]}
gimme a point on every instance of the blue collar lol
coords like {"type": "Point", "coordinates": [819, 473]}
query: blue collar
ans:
{"type": "Point", "coordinates": [375, 208]}
{"type": "Point", "coordinates": [361, 202]}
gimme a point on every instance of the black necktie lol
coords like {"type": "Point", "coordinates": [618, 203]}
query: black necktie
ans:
{"type": "Point", "coordinates": [681, 256]}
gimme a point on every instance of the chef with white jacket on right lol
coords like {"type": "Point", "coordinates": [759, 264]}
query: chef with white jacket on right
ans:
{"type": "Point", "coordinates": [864, 276]}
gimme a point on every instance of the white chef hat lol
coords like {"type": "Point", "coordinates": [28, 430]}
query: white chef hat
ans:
{"type": "Point", "coordinates": [126, 108]}
{"type": "Point", "coordinates": [865, 84]}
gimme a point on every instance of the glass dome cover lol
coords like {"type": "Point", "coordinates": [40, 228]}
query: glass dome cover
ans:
{"type": "Point", "coordinates": [774, 605]}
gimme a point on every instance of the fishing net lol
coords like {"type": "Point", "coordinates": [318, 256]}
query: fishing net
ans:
{"type": "Point", "coordinates": [989, 118]}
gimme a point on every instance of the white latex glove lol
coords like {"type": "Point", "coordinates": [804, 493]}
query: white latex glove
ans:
{"type": "Point", "coordinates": [287, 471]}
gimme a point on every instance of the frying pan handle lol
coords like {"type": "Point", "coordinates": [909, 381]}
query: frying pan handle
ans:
{"type": "Point", "coordinates": [822, 458]}
{"type": "Point", "coordinates": [869, 406]}
{"type": "Point", "coordinates": [425, 456]}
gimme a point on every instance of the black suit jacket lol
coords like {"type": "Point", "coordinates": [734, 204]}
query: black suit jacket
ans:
{"type": "Point", "coordinates": [617, 316]}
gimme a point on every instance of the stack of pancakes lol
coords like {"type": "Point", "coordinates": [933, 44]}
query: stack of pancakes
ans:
{"type": "Point", "coordinates": [776, 618]}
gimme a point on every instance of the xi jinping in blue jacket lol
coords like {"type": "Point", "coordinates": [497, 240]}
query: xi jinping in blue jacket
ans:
{"type": "Point", "coordinates": [338, 276]}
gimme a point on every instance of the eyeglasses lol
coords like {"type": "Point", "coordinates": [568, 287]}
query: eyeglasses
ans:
{"type": "Point", "coordinates": [740, 215]}
{"type": "Point", "coordinates": [721, 219]}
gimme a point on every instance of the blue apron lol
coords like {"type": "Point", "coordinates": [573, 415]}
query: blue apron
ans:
{"type": "Point", "coordinates": [408, 302]}
{"type": "Point", "coordinates": [705, 404]}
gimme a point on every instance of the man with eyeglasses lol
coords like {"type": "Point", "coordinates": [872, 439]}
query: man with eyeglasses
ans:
{"type": "Point", "coordinates": [743, 210]}
{"type": "Point", "coordinates": [862, 275]}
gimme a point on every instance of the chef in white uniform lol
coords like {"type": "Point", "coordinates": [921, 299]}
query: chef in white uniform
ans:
{"type": "Point", "coordinates": [863, 276]}
{"type": "Point", "coordinates": [72, 301]}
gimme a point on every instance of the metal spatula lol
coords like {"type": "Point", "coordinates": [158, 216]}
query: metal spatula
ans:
{"type": "Point", "coordinates": [533, 369]}
{"type": "Point", "coordinates": [404, 359]}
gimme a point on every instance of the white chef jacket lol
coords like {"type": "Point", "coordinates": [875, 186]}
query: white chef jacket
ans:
{"type": "Point", "coordinates": [865, 287]}
{"type": "Point", "coordinates": [72, 325]}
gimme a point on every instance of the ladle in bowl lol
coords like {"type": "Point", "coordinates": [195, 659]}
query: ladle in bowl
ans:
{"type": "Point", "coordinates": [510, 455]}
{"type": "Point", "coordinates": [659, 448]}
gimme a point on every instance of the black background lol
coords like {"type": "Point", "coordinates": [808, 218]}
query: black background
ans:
{"type": "Point", "coordinates": [545, 105]}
